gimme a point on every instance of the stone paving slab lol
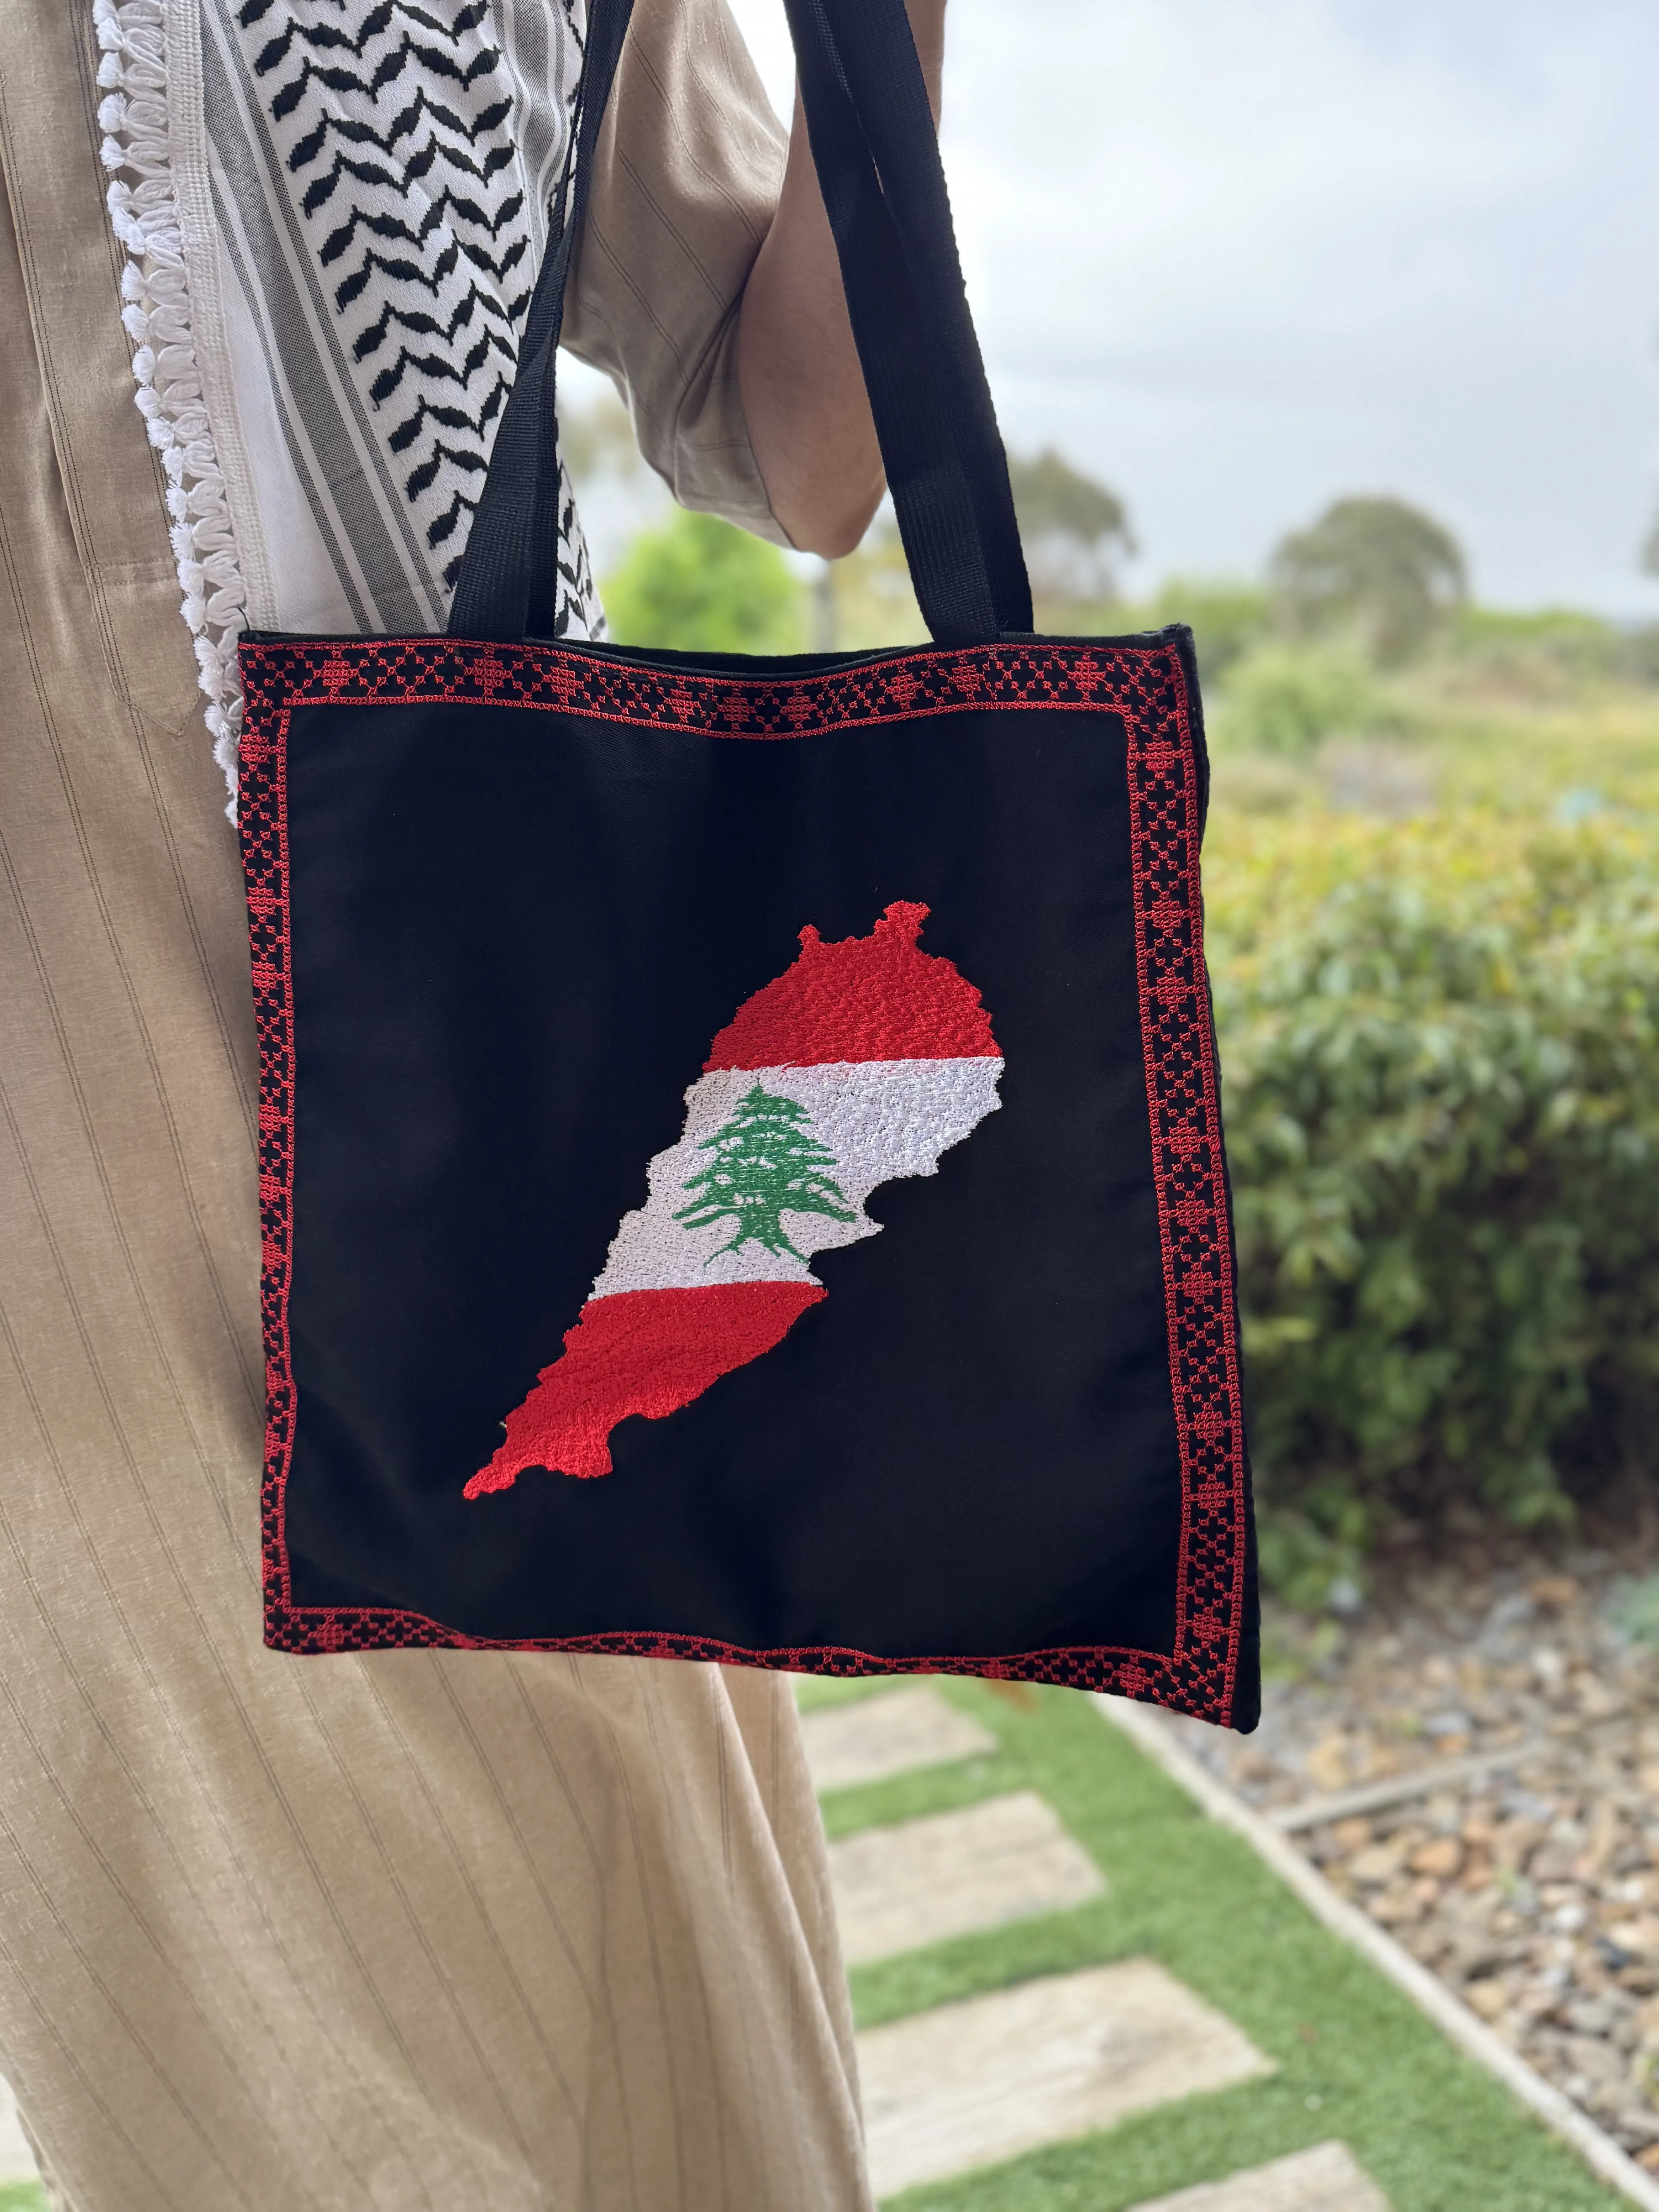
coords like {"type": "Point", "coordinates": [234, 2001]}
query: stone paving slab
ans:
{"type": "Point", "coordinates": [879, 1737]}
{"type": "Point", "coordinates": [16, 2159]}
{"type": "Point", "coordinates": [1326, 2179]}
{"type": "Point", "coordinates": [971, 2084]}
{"type": "Point", "coordinates": [954, 1874]}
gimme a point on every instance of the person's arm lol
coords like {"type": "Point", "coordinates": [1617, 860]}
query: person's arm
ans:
{"type": "Point", "coordinates": [798, 369]}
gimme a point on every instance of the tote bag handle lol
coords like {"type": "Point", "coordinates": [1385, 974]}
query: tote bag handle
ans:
{"type": "Point", "coordinates": [876, 156]}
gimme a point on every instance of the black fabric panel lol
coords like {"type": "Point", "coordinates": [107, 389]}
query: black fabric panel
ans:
{"type": "Point", "coordinates": [514, 936]}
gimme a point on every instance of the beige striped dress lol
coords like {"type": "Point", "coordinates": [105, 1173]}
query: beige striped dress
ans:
{"type": "Point", "coordinates": [413, 1932]}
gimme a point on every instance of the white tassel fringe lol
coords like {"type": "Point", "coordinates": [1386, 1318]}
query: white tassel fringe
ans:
{"type": "Point", "coordinates": [156, 290]}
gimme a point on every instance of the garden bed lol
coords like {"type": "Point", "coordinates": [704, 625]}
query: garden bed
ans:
{"type": "Point", "coordinates": [1530, 1884]}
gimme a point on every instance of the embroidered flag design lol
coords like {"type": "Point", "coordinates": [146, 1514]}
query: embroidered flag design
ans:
{"type": "Point", "coordinates": [864, 1062]}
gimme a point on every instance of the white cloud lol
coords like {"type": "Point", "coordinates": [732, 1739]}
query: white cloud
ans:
{"type": "Point", "coordinates": [1241, 256]}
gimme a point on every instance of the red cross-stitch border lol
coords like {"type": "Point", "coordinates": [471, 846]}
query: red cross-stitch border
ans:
{"type": "Point", "coordinates": [1143, 686]}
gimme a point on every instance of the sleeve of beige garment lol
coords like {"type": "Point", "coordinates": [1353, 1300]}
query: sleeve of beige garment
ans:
{"type": "Point", "coordinates": [685, 180]}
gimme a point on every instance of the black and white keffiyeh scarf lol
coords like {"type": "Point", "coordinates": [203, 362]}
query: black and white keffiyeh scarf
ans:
{"type": "Point", "coordinates": [333, 211]}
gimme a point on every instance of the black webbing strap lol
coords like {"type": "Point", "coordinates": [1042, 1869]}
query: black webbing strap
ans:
{"type": "Point", "coordinates": [878, 159]}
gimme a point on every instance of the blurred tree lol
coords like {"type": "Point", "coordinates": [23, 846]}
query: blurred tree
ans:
{"type": "Point", "coordinates": [697, 584]}
{"type": "Point", "coordinates": [1074, 530]}
{"type": "Point", "coordinates": [1376, 567]}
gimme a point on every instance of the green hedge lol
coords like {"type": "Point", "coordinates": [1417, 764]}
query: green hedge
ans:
{"type": "Point", "coordinates": [1440, 1046]}
{"type": "Point", "coordinates": [699, 585]}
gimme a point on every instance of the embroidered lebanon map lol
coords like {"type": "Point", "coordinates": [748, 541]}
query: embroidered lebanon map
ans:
{"type": "Point", "coordinates": [864, 1062]}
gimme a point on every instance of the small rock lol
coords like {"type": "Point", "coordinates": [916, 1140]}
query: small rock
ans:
{"type": "Point", "coordinates": [1509, 1612]}
{"type": "Point", "coordinates": [1445, 1724]}
{"type": "Point", "coordinates": [1377, 1864]}
{"type": "Point", "coordinates": [1555, 1593]}
{"type": "Point", "coordinates": [1394, 1907]}
{"type": "Point", "coordinates": [1554, 1862]}
{"type": "Point", "coordinates": [1442, 1856]}
{"type": "Point", "coordinates": [1515, 1842]}
{"type": "Point", "coordinates": [1597, 1699]}
{"type": "Point", "coordinates": [1549, 1669]}
{"type": "Point", "coordinates": [1327, 1764]}
{"type": "Point", "coordinates": [1597, 2060]}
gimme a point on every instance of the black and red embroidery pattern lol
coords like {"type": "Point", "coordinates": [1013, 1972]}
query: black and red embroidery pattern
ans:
{"type": "Point", "coordinates": [1143, 686]}
{"type": "Point", "coordinates": [431, 670]}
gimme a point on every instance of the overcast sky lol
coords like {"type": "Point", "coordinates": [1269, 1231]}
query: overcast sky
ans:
{"type": "Point", "coordinates": [1238, 257]}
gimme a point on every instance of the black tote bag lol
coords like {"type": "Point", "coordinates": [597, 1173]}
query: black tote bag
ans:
{"type": "Point", "coordinates": [742, 1173]}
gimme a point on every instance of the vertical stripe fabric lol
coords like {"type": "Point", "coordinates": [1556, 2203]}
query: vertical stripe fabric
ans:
{"type": "Point", "coordinates": [417, 1930]}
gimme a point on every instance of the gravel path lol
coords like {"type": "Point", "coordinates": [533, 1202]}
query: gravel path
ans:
{"type": "Point", "coordinates": [1532, 1887]}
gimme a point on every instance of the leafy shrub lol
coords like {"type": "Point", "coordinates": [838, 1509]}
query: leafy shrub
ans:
{"type": "Point", "coordinates": [1440, 1045]}
{"type": "Point", "coordinates": [697, 584]}
{"type": "Point", "coordinates": [1226, 618]}
{"type": "Point", "coordinates": [1585, 642]}
{"type": "Point", "coordinates": [1552, 652]}
{"type": "Point", "coordinates": [1287, 700]}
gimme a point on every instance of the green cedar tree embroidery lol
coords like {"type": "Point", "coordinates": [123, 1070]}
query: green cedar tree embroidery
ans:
{"type": "Point", "coordinates": [767, 1164]}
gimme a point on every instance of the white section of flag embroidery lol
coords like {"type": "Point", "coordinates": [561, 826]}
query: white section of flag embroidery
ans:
{"type": "Point", "coordinates": [878, 1119]}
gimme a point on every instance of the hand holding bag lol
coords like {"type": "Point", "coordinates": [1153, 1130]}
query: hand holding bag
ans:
{"type": "Point", "coordinates": [742, 1172]}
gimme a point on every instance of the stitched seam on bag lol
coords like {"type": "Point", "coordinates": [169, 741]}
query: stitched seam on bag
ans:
{"type": "Point", "coordinates": [1144, 687]}
{"type": "Point", "coordinates": [1183, 1105]}
{"type": "Point", "coordinates": [156, 313]}
{"type": "Point", "coordinates": [263, 827]}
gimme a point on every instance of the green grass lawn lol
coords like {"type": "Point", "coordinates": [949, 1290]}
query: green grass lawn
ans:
{"type": "Point", "coordinates": [22, 2196]}
{"type": "Point", "coordinates": [1356, 2061]}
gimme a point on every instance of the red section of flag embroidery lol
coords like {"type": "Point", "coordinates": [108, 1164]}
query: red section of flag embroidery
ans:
{"type": "Point", "coordinates": [640, 1351]}
{"type": "Point", "coordinates": [878, 997]}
